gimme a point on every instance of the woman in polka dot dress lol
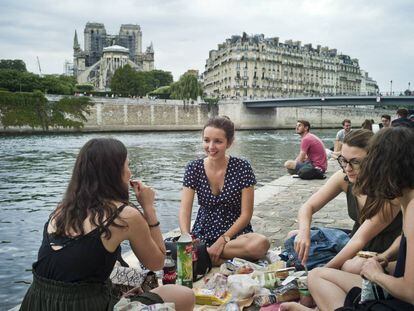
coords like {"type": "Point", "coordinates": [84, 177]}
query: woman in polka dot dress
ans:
{"type": "Point", "coordinates": [225, 192]}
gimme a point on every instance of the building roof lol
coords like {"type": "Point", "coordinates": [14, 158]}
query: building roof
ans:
{"type": "Point", "coordinates": [116, 48]}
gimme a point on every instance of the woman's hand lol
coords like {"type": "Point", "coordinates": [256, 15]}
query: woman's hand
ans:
{"type": "Point", "coordinates": [133, 292]}
{"type": "Point", "coordinates": [216, 249]}
{"type": "Point", "coordinates": [383, 261]}
{"type": "Point", "coordinates": [145, 195]}
{"type": "Point", "coordinates": [371, 269]}
{"type": "Point", "coordinates": [302, 245]}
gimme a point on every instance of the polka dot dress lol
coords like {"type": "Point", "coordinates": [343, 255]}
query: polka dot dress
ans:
{"type": "Point", "coordinates": [217, 213]}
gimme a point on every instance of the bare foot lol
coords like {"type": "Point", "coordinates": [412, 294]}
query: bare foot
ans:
{"type": "Point", "coordinates": [293, 306]}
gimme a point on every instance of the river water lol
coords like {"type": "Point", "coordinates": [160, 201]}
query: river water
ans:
{"type": "Point", "coordinates": [34, 172]}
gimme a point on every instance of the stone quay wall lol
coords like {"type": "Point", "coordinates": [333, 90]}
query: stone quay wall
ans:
{"type": "Point", "coordinates": [128, 114]}
{"type": "Point", "coordinates": [147, 115]}
{"type": "Point", "coordinates": [286, 117]}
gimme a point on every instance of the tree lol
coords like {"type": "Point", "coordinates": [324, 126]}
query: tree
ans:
{"type": "Point", "coordinates": [15, 64]}
{"type": "Point", "coordinates": [160, 78]}
{"type": "Point", "coordinates": [83, 88]}
{"type": "Point", "coordinates": [187, 87]}
{"type": "Point", "coordinates": [123, 82]}
{"type": "Point", "coordinates": [22, 81]}
{"type": "Point", "coordinates": [162, 92]}
{"type": "Point", "coordinates": [127, 81]}
{"type": "Point", "coordinates": [33, 109]}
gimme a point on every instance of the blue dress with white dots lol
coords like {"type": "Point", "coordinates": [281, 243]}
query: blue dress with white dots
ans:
{"type": "Point", "coordinates": [217, 213]}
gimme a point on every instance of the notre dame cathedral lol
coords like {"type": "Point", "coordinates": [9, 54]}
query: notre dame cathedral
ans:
{"type": "Point", "coordinates": [103, 54]}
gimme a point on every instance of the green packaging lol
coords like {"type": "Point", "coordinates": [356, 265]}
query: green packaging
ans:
{"type": "Point", "coordinates": [185, 260]}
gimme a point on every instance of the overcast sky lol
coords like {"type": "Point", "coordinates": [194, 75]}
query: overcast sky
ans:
{"type": "Point", "coordinates": [380, 33]}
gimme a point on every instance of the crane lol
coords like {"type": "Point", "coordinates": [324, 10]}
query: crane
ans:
{"type": "Point", "coordinates": [38, 64]}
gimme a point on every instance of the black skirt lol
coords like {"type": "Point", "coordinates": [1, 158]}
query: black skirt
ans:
{"type": "Point", "coordinates": [48, 295]}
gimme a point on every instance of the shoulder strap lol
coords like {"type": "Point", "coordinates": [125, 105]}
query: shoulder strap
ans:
{"type": "Point", "coordinates": [111, 219]}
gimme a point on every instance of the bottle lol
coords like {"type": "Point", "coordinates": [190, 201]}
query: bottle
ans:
{"type": "Point", "coordinates": [170, 274]}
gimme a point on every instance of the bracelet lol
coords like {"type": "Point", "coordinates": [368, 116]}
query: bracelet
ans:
{"type": "Point", "coordinates": [154, 225]}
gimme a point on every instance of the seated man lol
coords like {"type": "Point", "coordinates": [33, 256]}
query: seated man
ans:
{"type": "Point", "coordinates": [346, 128]}
{"type": "Point", "coordinates": [312, 155]}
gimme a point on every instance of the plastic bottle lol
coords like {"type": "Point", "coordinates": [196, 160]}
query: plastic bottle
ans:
{"type": "Point", "coordinates": [170, 274]}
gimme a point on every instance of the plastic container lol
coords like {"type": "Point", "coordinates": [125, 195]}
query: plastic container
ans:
{"type": "Point", "coordinates": [185, 260]}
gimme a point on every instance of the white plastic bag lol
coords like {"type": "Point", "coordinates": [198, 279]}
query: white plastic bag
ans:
{"type": "Point", "coordinates": [125, 304]}
{"type": "Point", "coordinates": [242, 286]}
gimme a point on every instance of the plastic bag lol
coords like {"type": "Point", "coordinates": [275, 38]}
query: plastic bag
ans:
{"type": "Point", "coordinates": [125, 304]}
{"type": "Point", "coordinates": [242, 286]}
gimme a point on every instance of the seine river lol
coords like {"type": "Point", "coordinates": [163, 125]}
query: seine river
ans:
{"type": "Point", "coordinates": [34, 172]}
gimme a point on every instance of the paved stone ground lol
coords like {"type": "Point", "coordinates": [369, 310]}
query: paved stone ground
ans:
{"type": "Point", "coordinates": [277, 205]}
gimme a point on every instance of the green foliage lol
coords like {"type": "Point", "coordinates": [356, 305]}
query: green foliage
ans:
{"type": "Point", "coordinates": [14, 64]}
{"type": "Point", "coordinates": [22, 81]}
{"type": "Point", "coordinates": [83, 88]}
{"type": "Point", "coordinates": [127, 82]}
{"type": "Point", "coordinates": [69, 112]}
{"type": "Point", "coordinates": [187, 87]}
{"type": "Point", "coordinates": [33, 109]}
{"type": "Point", "coordinates": [57, 84]}
{"type": "Point", "coordinates": [162, 92]}
{"type": "Point", "coordinates": [211, 101]}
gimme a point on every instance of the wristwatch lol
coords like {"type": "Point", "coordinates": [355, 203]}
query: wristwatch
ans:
{"type": "Point", "coordinates": [226, 238]}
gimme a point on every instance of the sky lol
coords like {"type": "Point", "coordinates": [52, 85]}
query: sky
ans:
{"type": "Point", "coordinates": [377, 32]}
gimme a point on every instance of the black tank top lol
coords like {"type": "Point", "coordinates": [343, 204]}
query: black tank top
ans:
{"type": "Point", "coordinates": [402, 254]}
{"type": "Point", "coordinates": [385, 238]}
{"type": "Point", "coordinates": [81, 259]}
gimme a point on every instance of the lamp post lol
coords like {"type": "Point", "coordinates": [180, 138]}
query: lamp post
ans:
{"type": "Point", "coordinates": [390, 87]}
{"type": "Point", "coordinates": [409, 85]}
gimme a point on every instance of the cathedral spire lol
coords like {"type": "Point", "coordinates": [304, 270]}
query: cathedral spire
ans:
{"type": "Point", "coordinates": [76, 45]}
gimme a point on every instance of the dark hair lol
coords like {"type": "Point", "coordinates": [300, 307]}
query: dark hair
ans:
{"type": "Point", "coordinates": [387, 169]}
{"type": "Point", "coordinates": [346, 121]}
{"type": "Point", "coordinates": [367, 124]}
{"type": "Point", "coordinates": [224, 123]}
{"type": "Point", "coordinates": [402, 112]}
{"type": "Point", "coordinates": [386, 116]}
{"type": "Point", "coordinates": [96, 182]}
{"type": "Point", "coordinates": [305, 124]}
{"type": "Point", "coordinates": [358, 138]}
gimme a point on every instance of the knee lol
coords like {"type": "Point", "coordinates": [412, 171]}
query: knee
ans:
{"type": "Point", "coordinates": [292, 233]}
{"type": "Point", "coordinates": [183, 297]}
{"type": "Point", "coordinates": [188, 298]}
{"type": "Point", "coordinates": [258, 246]}
{"type": "Point", "coordinates": [313, 278]}
{"type": "Point", "coordinates": [352, 266]}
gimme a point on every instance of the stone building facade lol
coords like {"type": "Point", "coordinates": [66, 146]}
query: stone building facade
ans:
{"type": "Point", "coordinates": [104, 53]}
{"type": "Point", "coordinates": [259, 67]}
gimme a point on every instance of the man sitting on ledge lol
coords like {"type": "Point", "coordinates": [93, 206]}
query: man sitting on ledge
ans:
{"type": "Point", "coordinates": [311, 162]}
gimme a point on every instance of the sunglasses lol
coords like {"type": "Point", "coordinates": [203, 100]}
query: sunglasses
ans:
{"type": "Point", "coordinates": [353, 163]}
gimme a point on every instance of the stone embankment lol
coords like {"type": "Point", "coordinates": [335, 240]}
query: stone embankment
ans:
{"type": "Point", "coordinates": [277, 204]}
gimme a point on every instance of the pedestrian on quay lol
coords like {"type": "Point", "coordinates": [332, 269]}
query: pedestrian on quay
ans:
{"type": "Point", "coordinates": [371, 231]}
{"type": "Point", "coordinates": [312, 157]}
{"type": "Point", "coordinates": [82, 237]}
{"type": "Point", "coordinates": [346, 129]}
{"type": "Point", "coordinates": [385, 121]}
{"type": "Point", "coordinates": [402, 119]}
{"type": "Point", "coordinates": [387, 173]}
{"type": "Point", "coordinates": [367, 124]}
{"type": "Point", "coordinates": [225, 189]}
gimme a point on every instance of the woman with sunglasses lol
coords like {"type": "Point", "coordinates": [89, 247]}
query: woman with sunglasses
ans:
{"type": "Point", "coordinates": [371, 232]}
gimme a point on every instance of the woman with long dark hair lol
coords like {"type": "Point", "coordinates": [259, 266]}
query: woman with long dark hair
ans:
{"type": "Point", "coordinates": [81, 239]}
{"type": "Point", "coordinates": [371, 231]}
{"type": "Point", "coordinates": [387, 174]}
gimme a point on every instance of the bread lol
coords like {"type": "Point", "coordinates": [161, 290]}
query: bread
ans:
{"type": "Point", "coordinates": [366, 254]}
